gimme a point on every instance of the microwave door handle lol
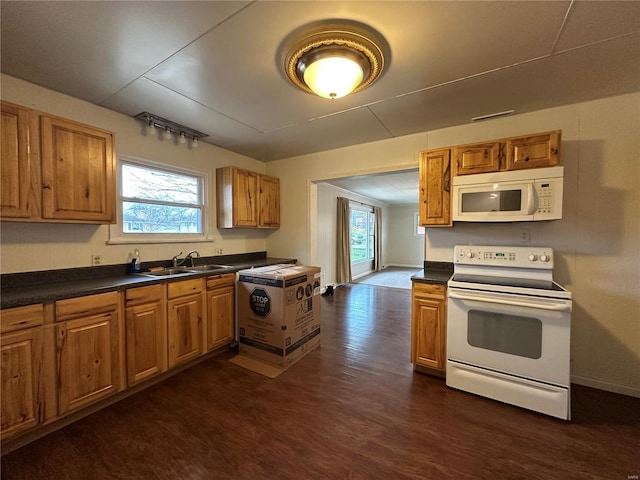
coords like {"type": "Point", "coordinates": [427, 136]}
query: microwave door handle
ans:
{"type": "Point", "coordinates": [531, 199]}
{"type": "Point", "coordinates": [562, 307]}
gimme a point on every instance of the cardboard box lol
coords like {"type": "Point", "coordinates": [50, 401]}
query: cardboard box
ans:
{"type": "Point", "coordinates": [278, 313]}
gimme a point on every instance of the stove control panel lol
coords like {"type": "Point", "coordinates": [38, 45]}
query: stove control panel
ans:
{"type": "Point", "coordinates": [518, 257]}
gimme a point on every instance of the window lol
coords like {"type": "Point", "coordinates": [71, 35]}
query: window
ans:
{"type": "Point", "coordinates": [417, 229]}
{"type": "Point", "coordinates": [157, 204]}
{"type": "Point", "coordinates": [362, 234]}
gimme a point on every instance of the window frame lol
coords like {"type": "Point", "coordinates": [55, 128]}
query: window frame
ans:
{"type": "Point", "coordinates": [370, 220]}
{"type": "Point", "coordinates": [418, 230]}
{"type": "Point", "coordinates": [116, 231]}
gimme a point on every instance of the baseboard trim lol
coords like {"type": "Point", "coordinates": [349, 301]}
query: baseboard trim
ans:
{"type": "Point", "coordinates": [607, 386]}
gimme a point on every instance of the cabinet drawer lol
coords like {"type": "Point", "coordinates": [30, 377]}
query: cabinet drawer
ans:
{"type": "Point", "coordinates": [186, 287]}
{"type": "Point", "coordinates": [140, 295]}
{"type": "Point", "coordinates": [83, 306]}
{"type": "Point", "coordinates": [216, 281]}
{"type": "Point", "coordinates": [429, 290]}
{"type": "Point", "coordinates": [21, 317]}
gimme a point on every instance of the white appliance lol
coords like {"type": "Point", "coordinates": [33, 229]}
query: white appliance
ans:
{"type": "Point", "coordinates": [509, 328]}
{"type": "Point", "coordinates": [514, 196]}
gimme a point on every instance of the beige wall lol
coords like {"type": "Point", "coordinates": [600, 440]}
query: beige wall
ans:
{"type": "Point", "coordinates": [406, 249]}
{"type": "Point", "coordinates": [596, 242]}
{"type": "Point", "coordinates": [30, 247]}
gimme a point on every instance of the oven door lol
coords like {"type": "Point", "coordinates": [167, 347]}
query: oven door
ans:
{"type": "Point", "coordinates": [520, 335]}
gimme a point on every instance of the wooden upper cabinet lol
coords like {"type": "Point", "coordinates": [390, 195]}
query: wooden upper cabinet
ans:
{"type": "Point", "coordinates": [247, 199]}
{"type": "Point", "coordinates": [55, 170]}
{"type": "Point", "coordinates": [19, 163]}
{"type": "Point", "coordinates": [435, 188]}
{"type": "Point", "coordinates": [539, 150]}
{"type": "Point", "coordinates": [78, 168]}
{"type": "Point", "coordinates": [478, 158]}
{"type": "Point", "coordinates": [269, 201]}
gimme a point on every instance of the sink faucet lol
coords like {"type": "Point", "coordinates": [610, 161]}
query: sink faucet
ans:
{"type": "Point", "coordinates": [174, 260]}
{"type": "Point", "coordinates": [190, 257]}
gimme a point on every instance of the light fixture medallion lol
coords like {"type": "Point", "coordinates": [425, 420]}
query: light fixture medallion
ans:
{"type": "Point", "coordinates": [335, 60]}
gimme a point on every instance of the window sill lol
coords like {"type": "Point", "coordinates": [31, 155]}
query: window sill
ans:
{"type": "Point", "coordinates": [138, 240]}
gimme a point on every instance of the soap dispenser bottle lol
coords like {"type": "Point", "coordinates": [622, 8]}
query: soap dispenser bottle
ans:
{"type": "Point", "coordinates": [135, 262]}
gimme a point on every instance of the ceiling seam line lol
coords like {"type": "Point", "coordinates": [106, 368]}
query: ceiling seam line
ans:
{"type": "Point", "coordinates": [562, 27]}
{"type": "Point", "coordinates": [143, 75]}
{"type": "Point", "coordinates": [205, 106]}
{"type": "Point", "coordinates": [380, 122]}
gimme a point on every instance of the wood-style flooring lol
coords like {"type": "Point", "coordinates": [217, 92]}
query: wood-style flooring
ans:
{"type": "Point", "coordinates": [351, 409]}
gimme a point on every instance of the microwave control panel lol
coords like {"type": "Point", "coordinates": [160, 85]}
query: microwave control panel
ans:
{"type": "Point", "coordinates": [519, 257]}
{"type": "Point", "coordinates": [549, 199]}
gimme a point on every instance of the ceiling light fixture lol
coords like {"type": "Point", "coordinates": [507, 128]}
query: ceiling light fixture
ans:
{"type": "Point", "coordinates": [154, 122]}
{"type": "Point", "coordinates": [334, 60]}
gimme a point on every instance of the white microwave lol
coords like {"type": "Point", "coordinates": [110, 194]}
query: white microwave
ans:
{"type": "Point", "coordinates": [514, 196]}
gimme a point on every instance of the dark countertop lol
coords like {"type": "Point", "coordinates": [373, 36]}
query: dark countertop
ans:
{"type": "Point", "coordinates": [437, 273]}
{"type": "Point", "coordinates": [20, 289]}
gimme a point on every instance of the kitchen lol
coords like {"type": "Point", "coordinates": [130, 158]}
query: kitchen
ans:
{"type": "Point", "coordinates": [596, 240]}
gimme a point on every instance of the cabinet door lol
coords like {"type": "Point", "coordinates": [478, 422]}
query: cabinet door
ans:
{"type": "Point", "coordinates": [481, 158]}
{"type": "Point", "coordinates": [78, 182]}
{"type": "Point", "coordinates": [88, 359]}
{"type": "Point", "coordinates": [428, 329]}
{"type": "Point", "coordinates": [245, 198]}
{"type": "Point", "coordinates": [269, 201]}
{"type": "Point", "coordinates": [542, 150]}
{"type": "Point", "coordinates": [221, 317]}
{"type": "Point", "coordinates": [146, 333]}
{"type": "Point", "coordinates": [19, 165]}
{"type": "Point", "coordinates": [185, 328]}
{"type": "Point", "coordinates": [435, 188]}
{"type": "Point", "coordinates": [21, 364]}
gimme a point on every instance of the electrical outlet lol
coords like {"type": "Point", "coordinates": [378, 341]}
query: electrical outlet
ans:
{"type": "Point", "coordinates": [219, 251]}
{"type": "Point", "coordinates": [524, 235]}
{"type": "Point", "coordinates": [96, 260]}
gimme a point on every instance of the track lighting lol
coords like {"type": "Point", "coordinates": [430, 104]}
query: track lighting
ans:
{"type": "Point", "coordinates": [169, 128]}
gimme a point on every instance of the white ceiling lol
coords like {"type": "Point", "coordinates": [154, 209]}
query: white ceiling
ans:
{"type": "Point", "coordinates": [394, 188]}
{"type": "Point", "coordinates": [216, 66]}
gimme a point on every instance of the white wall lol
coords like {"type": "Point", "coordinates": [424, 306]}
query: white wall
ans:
{"type": "Point", "coordinates": [596, 242]}
{"type": "Point", "coordinates": [406, 249]}
{"type": "Point", "coordinates": [31, 246]}
{"type": "Point", "coordinates": [327, 207]}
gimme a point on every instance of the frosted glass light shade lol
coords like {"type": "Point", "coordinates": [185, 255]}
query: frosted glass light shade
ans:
{"type": "Point", "coordinates": [333, 77]}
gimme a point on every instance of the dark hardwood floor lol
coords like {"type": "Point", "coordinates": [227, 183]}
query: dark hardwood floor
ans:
{"type": "Point", "coordinates": [351, 409]}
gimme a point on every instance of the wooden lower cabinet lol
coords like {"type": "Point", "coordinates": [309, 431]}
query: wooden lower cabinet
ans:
{"type": "Point", "coordinates": [89, 349]}
{"type": "Point", "coordinates": [220, 310]}
{"type": "Point", "coordinates": [185, 314]}
{"type": "Point", "coordinates": [27, 374]}
{"type": "Point", "coordinates": [146, 332]}
{"type": "Point", "coordinates": [429, 327]}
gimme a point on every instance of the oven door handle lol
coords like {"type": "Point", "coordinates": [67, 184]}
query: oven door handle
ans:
{"type": "Point", "coordinates": [558, 307]}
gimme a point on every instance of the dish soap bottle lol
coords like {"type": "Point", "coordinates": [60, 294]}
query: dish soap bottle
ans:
{"type": "Point", "coordinates": [135, 262]}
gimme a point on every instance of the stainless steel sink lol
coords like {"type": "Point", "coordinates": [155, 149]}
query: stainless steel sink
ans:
{"type": "Point", "coordinates": [166, 271]}
{"type": "Point", "coordinates": [208, 268]}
